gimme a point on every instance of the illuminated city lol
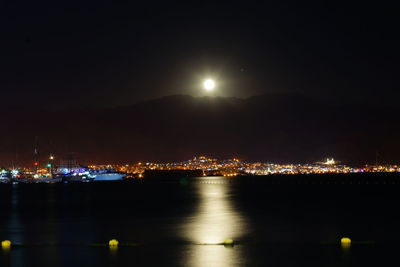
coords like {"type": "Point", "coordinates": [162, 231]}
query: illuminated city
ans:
{"type": "Point", "coordinates": [198, 166]}
{"type": "Point", "coordinates": [234, 167]}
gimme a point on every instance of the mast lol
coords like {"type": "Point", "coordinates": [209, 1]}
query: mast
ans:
{"type": "Point", "coordinates": [36, 155]}
{"type": "Point", "coordinates": [50, 165]}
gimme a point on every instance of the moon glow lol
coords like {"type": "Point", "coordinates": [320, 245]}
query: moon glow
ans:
{"type": "Point", "coordinates": [209, 85]}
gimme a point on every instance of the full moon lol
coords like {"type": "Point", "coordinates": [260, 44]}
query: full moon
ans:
{"type": "Point", "coordinates": [209, 85]}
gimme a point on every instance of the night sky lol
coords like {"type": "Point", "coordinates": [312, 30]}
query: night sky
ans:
{"type": "Point", "coordinates": [101, 53]}
{"type": "Point", "coordinates": [94, 78]}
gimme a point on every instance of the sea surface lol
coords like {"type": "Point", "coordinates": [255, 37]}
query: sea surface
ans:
{"type": "Point", "coordinates": [185, 221]}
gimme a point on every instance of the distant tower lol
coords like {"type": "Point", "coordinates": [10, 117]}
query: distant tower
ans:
{"type": "Point", "coordinates": [330, 161]}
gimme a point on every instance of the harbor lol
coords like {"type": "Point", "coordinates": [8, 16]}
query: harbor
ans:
{"type": "Point", "coordinates": [68, 170]}
{"type": "Point", "coordinates": [330, 171]}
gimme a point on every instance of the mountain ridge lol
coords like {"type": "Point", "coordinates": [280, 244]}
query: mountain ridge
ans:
{"type": "Point", "coordinates": [268, 127]}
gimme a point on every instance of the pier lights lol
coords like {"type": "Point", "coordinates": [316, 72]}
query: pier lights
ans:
{"type": "Point", "coordinates": [6, 245]}
{"type": "Point", "coordinates": [345, 242]}
{"type": "Point", "coordinates": [113, 243]}
{"type": "Point", "coordinates": [228, 243]}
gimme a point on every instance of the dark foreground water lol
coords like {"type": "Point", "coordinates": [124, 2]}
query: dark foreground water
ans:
{"type": "Point", "coordinates": [179, 222]}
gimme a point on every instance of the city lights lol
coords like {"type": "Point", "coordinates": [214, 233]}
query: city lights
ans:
{"type": "Point", "coordinates": [198, 166]}
{"type": "Point", "coordinates": [235, 167]}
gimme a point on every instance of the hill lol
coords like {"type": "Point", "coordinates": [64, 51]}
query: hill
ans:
{"type": "Point", "coordinates": [272, 127]}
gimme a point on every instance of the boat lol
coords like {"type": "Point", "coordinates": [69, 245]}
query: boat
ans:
{"type": "Point", "coordinates": [5, 176]}
{"type": "Point", "coordinates": [70, 171]}
{"type": "Point", "coordinates": [74, 177]}
{"type": "Point", "coordinates": [106, 175]}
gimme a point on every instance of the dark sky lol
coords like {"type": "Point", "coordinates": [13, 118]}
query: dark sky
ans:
{"type": "Point", "coordinates": [101, 53]}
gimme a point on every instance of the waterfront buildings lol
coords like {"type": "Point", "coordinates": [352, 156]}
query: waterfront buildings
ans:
{"type": "Point", "coordinates": [233, 167]}
{"type": "Point", "coordinates": [205, 166]}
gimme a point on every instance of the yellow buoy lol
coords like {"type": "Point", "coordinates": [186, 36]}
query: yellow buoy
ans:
{"type": "Point", "coordinates": [228, 242]}
{"type": "Point", "coordinates": [345, 241]}
{"type": "Point", "coordinates": [113, 243]}
{"type": "Point", "coordinates": [6, 244]}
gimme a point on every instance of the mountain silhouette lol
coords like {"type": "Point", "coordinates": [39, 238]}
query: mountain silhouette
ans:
{"type": "Point", "coordinates": [270, 128]}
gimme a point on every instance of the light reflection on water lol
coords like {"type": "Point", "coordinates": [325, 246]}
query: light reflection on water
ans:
{"type": "Point", "coordinates": [14, 227]}
{"type": "Point", "coordinates": [214, 220]}
{"type": "Point", "coordinates": [14, 223]}
{"type": "Point", "coordinates": [56, 225]}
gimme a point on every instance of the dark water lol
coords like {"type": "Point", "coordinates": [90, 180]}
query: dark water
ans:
{"type": "Point", "coordinates": [180, 222]}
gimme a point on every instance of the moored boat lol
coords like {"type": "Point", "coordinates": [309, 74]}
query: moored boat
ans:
{"type": "Point", "coordinates": [106, 175]}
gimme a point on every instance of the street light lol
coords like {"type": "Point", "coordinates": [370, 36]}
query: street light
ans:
{"type": "Point", "coordinates": [50, 165]}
